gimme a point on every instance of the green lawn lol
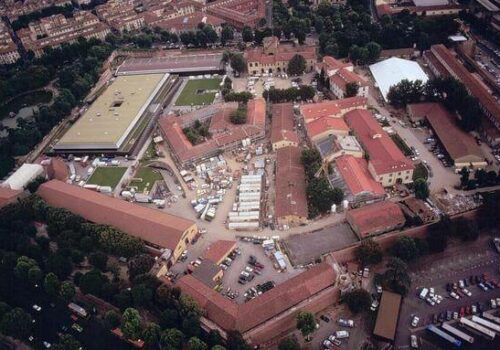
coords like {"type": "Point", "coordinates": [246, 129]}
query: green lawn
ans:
{"type": "Point", "coordinates": [149, 176]}
{"type": "Point", "coordinates": [190, 94]}
{"type": "Point", "coordinates": [401, 145]}
{"type": "Point", "coordinates": [107, 176]}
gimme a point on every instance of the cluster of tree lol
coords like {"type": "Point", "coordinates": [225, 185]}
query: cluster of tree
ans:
{"type": "Point", "coordinates": [303, 93]}
{"type": "Point", "coordinates": [320, 194]}
{"type": "Point", "coordinates": [451, 92]}
{"type": "Point", "coordinates": [350, 31]}
{"type": "Point", "coordinates": [482, 178]}
{"type": "Point", "coordinates": [242, 97]}
{"type": "Point", "coordinates": [297, 65]}
{"type": "Point", "coordinates": [239, 116]}
{"type": "Point", "coordinates": [203, 36]}
{"type": "Point", "coordinates": [76, 65]}
{"type": "Point", "coordinates": [197, 133]}
{"type": "Point", "coordinates": [28, 260]}
{"type": "Point", "coordinates": [358, 300]}
{"type": "Point", "coordinates": [24, 20]}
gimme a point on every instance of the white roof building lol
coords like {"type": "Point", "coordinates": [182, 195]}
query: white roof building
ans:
{"type": "Point", "coordinates": [23, 176]}
{"type": "Point", "coordinates": [392, 70]}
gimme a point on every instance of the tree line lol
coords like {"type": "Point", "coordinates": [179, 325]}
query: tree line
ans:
{"type": "Point", "coordinates": [29, 259]}
{"type": "Point", "coordinates": [449, 91]}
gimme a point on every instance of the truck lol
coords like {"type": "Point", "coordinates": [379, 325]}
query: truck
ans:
{"type": "Point", "coordinates": [78, 310]}
{"type": "Point", "coordinates": [423, 293]}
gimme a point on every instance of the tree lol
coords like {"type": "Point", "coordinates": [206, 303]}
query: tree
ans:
{"type": "Point", "coordinates": [337, 195]}
{"type": "Point", "coordinates": [369, 252]}
{"type": "Point", "coordinates": [306, 323]}
{"type": "Point", "coordinates": [405, 248]}
{"type": "Point", "coordinates": [436, 238]}
{"type": "Point", "coordinates": [195, 343]}
{"type": "Point", "coordinates": [396, 276]}
{"type": "Point", "coordinates": [288, 344]}
{"type": "Point", "coordinates": [235, 341]}
{"type": "Point", "coordinates": [247, 34]}
{"type": "Point", "coordinates": [67, 342]}
{"type": "Point", "coordinates": [464, 176]}
{"type": "Point", "coordinates": [99, 260]}
{"type": "Point", "coordinates": [297, 65]}
{"type": "Point", "coordinates": [67, 291]}
{"type": "Point", "coordinates": [351, 89]}
{"type": "Point", "coordinates": [142, 295]}
{"type": "Point", "coordinates": [421, 188]}
{"type": "Point", "coordinates": [131, 324]}
{"type": "Point", "coordinates": [239, 116]}
{"type": "Point", "coordinates": [312, 161]}
{"type": "Point", "coordinates": [374, 50]}
{"type": "Point", "coordinates": [140, 265]}
{"type": "Point", "coordinates": [405, 92]}
{"type": "Point", "coordinates": [358, 300]}
{"type": "Point", "coordinates": [227, 34]}
{"type": "Point", "coordinates": [151, 336]}
{"type": "Point", "coordinates": [16, 323]}
{"type": "Point", "coordinates": [172, 339]}
{"type": "Point", "coordinates": [217, 347]}
{"type": "Point", "coordinates": [92, 282]}
{"type": "Point", "coordinates": [32, 187]}
{"type": "Point", "coordinates": [23, 267]}
{"type": "Point", "coordinates": [112, 319]}
{"type": "Point", "coordinates": [51, 284]}
{"type": "Point", "coordinates": [237, 63]}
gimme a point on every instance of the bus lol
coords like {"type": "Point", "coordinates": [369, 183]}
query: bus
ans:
{"type": "Point", "coordinates": [77, 309]}
{"type": "Point", "coordinates": [458, 333]}
{"type": "Point", "coordinates": [444, 335]}
{"type": "Point", "coordinates": [478, 328]}
{"type": "Point", "coordinates": [491, 318]}
{"type": "Point", "coordinates": [486, 323]}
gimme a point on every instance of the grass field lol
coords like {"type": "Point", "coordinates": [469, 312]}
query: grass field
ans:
{"type": "Point", "coordinates": [190, 94]}
{"type": "Point", "coordinates": [149, 176]}
{"type": "Point", "coordinates": [107, 176]}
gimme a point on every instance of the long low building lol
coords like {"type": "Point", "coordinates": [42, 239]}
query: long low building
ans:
{"type": "Point", "coordinates": [203, 62]}
{"type": "Point", "coordinates": [291, 197]}
{"type": "Point", "coordinates": [460, 145]}
{"type": "Point", "coordinates": [386, 163]}
{"type": "Point", "coordinates": [375, 219]}
{"type": "Point", "coordinates": [283, 132]}
{"type": "Point", "coordinates": [387, 316]}
{"type": "Point", "coordinates": [270, 315]}
{"type": "Point", "coordinates": [115, 115]}
{"type": "Point", "coordinates": [157, 229]}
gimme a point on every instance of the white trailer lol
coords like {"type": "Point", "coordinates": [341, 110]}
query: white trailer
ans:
{"type": "Point", "coordinates": [243, 213]}
{"type": "Point", "coordinates": [486, 323]}
{"type": "Point", "coordinates": [249, 188]}
{"type": "Point", "coordinates": [458, 333]}
{"type": "Point", "coordinates": [244, 218]}
{"type": "Point", "coordinates": [491, 317]}
{"type": "Point", "coordinates": [248, 207]}
{"type": "Point", "coordinates": [489, 334]}
{"type": "Point", "coordinates": [243, 225]}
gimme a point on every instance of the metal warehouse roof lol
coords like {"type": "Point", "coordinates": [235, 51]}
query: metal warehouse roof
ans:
{"type": "Point", "coordinates": [392, 70]}
{"type": "Point", "coordinates": [109, 120]}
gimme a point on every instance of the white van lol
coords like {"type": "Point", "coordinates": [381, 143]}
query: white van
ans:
{"type": "Point", "coordinates": [423, 293]}
{"type": "Point", "coordinates": [342, 334]}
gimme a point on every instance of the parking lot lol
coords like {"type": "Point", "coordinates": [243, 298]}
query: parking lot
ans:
{"type": "Point", "coordinates": [305, 248]}
{"type": "Point", "coordinates": [269, 273]}
{"type": "Point", "coordinates": [455, 264]}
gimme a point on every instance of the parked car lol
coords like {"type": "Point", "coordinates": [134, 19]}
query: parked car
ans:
{"type": "Point", "coordinates": [325, 318]}
{"type": "Point", "coordinates": [346, 323]}
{"type": "Point", "coordinates": [414, 341]}
{"type": "Point", "coordinates": [342, 334]}
{"type": "Point", "coordinates": [414, 321]}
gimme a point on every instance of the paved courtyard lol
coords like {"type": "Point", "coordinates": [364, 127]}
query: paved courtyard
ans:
{"type": "Point", "coordinates": [306, 247]}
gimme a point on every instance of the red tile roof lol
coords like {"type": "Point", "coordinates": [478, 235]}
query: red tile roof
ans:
{"type": "Point", "coordinates": [358, 179]}
{"type": "Point", "coordinates": [291, 198]}
{"type": "Point", "coordinates": [218, 250]}
{"type": "Point", "coordinates": [188, 22]}
{"type": "Point", "coordinates": [282, 123]}
{"type": "Point", "coordinates": [323, 124]}
{"type": "Point", "coordinates": [313, 111]}
{"type": "Point", "coordinates": [458, 143]}
{"type": "Point", "coordinates": [231, 316]}
{"type": "Point", "coordinates": [224, 132]}
{"type": "Point", "coordinates": [376, 218]}
{"type": "Point", "coordinates": [331, 63]}
{"type": "Point", "coordinates": [150, 225]}
{"type": "Point", "coordinates": [344, 77]}
{"type": "Point", "coordinates": [8, 196]}
{"type": "Point", "coordinates": [284, 54]}
{"type": "Point", "coordinates": [471, 83]}
{"type": "Point", "coordinates": [385, 156]}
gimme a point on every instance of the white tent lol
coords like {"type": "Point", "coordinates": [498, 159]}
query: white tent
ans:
{"type": "Point", "coordinates": [392, 70]}
{"type": "Point", "coordinates": [23, 176]}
